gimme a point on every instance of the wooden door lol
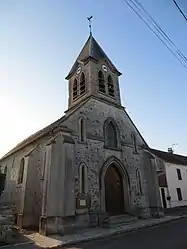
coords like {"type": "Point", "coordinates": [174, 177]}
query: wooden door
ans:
{"type": "Point", "coordinates": [114, 194]}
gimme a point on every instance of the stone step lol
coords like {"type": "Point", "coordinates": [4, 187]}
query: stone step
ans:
{"type": "Point", "coordinates": [119, 220]}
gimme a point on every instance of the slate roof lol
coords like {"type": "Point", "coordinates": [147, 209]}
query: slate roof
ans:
{"type": "Point", "coordinates": [36, 136]}
{"type": "Point", "coordinates": [170, 157]}
{"type": "Point", "coordinates": [92, 50]}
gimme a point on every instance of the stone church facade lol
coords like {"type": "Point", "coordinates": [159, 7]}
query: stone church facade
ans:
{"type": "Point", "coordinates": [90, 164]}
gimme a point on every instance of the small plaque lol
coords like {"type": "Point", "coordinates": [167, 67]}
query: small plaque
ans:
{"type": "Point", "coordinates": [82, 203]}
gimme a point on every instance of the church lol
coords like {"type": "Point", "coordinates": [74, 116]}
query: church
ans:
{"type": "Point", "coordinates": [89, 166]}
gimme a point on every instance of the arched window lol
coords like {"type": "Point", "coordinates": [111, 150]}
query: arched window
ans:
{"type": "Point", "coordinates": [110, 86]}
{"type": "Point", "coordinates": [82, 84]}
{"type": "Point", "coordinates": [111, 135]}
{"type": "Point", "coordinates": [5, 170]}
{"type": "Point", "coordinates": [101, 82]}
{"type": "Point", "coordinates": [138, 182]}
{"type": "Point", "coordinates": [21, 171]}
{"type": "Point", "coordinates": [83, 179]}
{"type": "Point", "coordinates": [82, 131]}
{"type": "Point", "coordinates": [75, 89]}
{"type": "Point", "coordinates": [133, 136]}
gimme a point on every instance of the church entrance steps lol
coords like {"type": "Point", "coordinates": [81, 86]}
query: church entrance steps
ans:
{"type": "Point", "coordinates": [123, 219]}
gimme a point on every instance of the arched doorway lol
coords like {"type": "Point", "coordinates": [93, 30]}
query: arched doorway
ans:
{"type": "Point", "coordinates": [114, 193]}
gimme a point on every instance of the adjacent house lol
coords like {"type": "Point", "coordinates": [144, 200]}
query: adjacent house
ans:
{"type": "Point", "coordinates": [172, 176]}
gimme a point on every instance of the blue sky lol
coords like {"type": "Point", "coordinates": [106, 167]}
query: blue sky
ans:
{"type": "Point", "coordinates": [40, 39]}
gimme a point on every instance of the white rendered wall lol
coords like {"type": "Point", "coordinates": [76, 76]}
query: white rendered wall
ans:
{"type": "Point", "coordinates": [174, 183]}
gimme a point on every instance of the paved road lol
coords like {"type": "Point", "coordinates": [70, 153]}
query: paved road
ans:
{"type": "Point", "coordinates": [172, 235]}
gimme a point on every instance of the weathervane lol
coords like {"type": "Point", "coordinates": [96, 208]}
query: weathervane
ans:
{"type": "Point", "coordinates": [90, 26]}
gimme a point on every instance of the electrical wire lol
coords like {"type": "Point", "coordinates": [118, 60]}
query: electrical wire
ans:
{"type": "Point", "coordinates": [157, 30]}
{"type": "Point", "coordinates": [180, 10]}
{"type": "Point", "coordinates": [160, 31]}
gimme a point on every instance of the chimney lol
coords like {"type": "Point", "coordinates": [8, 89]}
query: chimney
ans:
{"type": "Point", "coordinates": [170, 150]}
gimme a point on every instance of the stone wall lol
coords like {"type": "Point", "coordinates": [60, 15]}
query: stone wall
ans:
{"type": "Point", "coordinates": [93, 153]}
{"type": "Point", "coordinates": [33, 189]}
{"type": "Point", "coordinates": [95, 113]}
{"type": "Point", "coordinates": [25, 196]}
{"type": "Point", "coordinates": [94, 156]}
{"type": "Point", "coordinates": [6, 230]}
{"type": "Point", "coordinates": [7, 219]}
{"type": "Point", "coordinates": [12, 191]}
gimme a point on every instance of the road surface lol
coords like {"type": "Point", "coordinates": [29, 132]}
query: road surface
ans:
{"type": "Point", "coordinates": [172, 235]}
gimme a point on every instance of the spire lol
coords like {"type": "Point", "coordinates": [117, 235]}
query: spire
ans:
{"type": "Point", "coordinates": [92, 50]}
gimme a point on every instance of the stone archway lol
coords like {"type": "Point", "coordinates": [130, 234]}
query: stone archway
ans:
{"type": "Point", "coordinates": [114, 194]}
{"type": "Point", "coordinates": [114, 188]}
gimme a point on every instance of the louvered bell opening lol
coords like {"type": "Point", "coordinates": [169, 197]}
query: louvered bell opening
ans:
{"type": "Point", "coordinates": [101, 85]}
{"type": "Point", "coordinates": [75, 90]}
{"type": "Point", "coordinates": [82, 87]}
{"type": "Point", "coordinates": [75, 95]}
{"type": "Point", "coordinates": [111, 89]}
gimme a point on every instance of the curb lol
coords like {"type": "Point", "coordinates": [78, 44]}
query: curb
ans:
{"type": "Point", "coordinates": [73, 242]}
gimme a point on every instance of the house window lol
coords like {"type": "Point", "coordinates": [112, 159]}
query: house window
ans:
{"type": "Point", "coordinates": [111, 135]}
{"type": "Point", "coordinates": [21, 171]}
{"type": "Point", "coordinates": [133, 136]}
{"type": "Point", "coordinates": [101, 82]}
{"type": "Point", "coordinates": [179, 174]}
{"type": "Point", "coordinates": [82, 84]}
{"type": "Point", "coordinates": [83, 179]}
{"type": "Point", "coordinates": [75, 89]}
{"type": "Point", "coordinates": [138, 182]}
{"type": "Point", "coordinates": [82, 131]}
{"type": "Point", "coordinates": [110, 86]}
{"type": "Point", "coordinates": [179, 194]}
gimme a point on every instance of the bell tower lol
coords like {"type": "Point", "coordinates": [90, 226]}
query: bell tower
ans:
{"type": "Point", "coordinates": [93, 75]}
